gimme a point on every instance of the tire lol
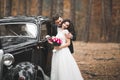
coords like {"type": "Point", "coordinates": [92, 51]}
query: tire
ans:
{"type": "Point", "coordinates": [26, 71]}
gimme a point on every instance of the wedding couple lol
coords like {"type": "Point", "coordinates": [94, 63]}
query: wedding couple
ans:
{"type": "Point", "coordinates": [63, 65]}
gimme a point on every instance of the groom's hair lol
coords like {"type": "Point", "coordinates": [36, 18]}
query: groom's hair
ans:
{"type": "Point", "coordinates": [55, 17]}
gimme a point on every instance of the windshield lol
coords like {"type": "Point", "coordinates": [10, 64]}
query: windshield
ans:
{"type": "Point", "coordinates": [28, 30]}
{"type": "Point", "coordinates": [12, 34]}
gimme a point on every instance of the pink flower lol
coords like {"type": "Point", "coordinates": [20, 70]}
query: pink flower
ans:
{"type": "Point", "coordinates": [56, 41]}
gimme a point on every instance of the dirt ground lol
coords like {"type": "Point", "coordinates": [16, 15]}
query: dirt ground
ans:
{"type": "Point", "coordinates": [98, 61]}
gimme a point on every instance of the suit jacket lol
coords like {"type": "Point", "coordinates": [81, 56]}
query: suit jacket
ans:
{"type": "Point", "coordinates": [71, 43]}
{"type": "Point", "coordinates": [72, 31]}
{"type": "Point", "coordinates": [71, 47]}
{"type": "Point", "coordinates": [51, 29]}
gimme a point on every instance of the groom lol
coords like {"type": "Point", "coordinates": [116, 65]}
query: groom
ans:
{"type": "Point", "coordinates": [52, 31]}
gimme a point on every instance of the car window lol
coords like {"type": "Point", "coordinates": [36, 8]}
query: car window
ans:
{"type": "Point", "coordinates": [16, 34]}
{"type": "Point", "coordinates": [26, 29]}
{"type": "Point", "coordinates": [43, 31]}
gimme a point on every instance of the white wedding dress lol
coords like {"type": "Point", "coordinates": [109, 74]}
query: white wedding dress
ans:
{"type": "Point", "coordinates": [64, 67]}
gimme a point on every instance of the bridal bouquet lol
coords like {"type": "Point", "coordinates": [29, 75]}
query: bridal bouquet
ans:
{"type": "Point", "coordinates": [56, 41]}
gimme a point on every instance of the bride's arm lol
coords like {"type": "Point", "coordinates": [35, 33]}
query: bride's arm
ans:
{"type": "Point", "coordinates": [66, 44]}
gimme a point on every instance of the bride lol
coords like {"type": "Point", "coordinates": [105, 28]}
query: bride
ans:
{"type": "Point", "coordinates": [64, 66]}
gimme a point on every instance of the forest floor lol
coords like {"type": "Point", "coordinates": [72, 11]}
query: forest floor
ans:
{"type": "Point", "coordinates": [98, 61]}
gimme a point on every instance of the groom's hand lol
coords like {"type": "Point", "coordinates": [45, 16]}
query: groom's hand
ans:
{"type": "Point", "coordinates": [69, 36]}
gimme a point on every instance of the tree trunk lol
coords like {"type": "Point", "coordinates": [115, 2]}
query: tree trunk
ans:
{"type": "Point", "coordinates": [22, 7]}
{"type": "Point", "coordinates": [28, 2]}
{"type": "Point", "coordinates": [25, 7]}
{"type": "Point", "coordinates": [88, 18]}
{"type": "Point", "coordinates": [14, 8]}
{"type": "Point", "coordinates": [106, 20]}
{"type": "Point", "coordinates": [2, 8]}
{"type": "Point", "coordinates": [8, 7]}
{"type": "Point", "coordinates": [40, 2]}
{"type": "Point", "coordinates": [53, 7]}
{"type": "Point", "coordinates": [108, 16]}
{"type": "Point", "coordinates": [73, 10]}
{"type": "Point", "coordinates": [59, 7]}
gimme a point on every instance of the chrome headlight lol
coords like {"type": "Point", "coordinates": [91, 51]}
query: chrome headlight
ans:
{"type": "Point", "coordinates": [8, 59]}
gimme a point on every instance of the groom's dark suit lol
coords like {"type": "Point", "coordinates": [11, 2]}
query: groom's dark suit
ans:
{"type": "Point", "coordinates": [53, 30]}
{"type": "Point", "coordinates": [72, 31]}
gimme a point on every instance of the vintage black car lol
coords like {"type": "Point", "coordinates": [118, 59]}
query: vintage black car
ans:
{"type": "Point", "coordinates": [23, 48]}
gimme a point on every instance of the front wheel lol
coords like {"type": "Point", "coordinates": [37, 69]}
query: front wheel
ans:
{"type": "Point", "coordinates": [26, 71]}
